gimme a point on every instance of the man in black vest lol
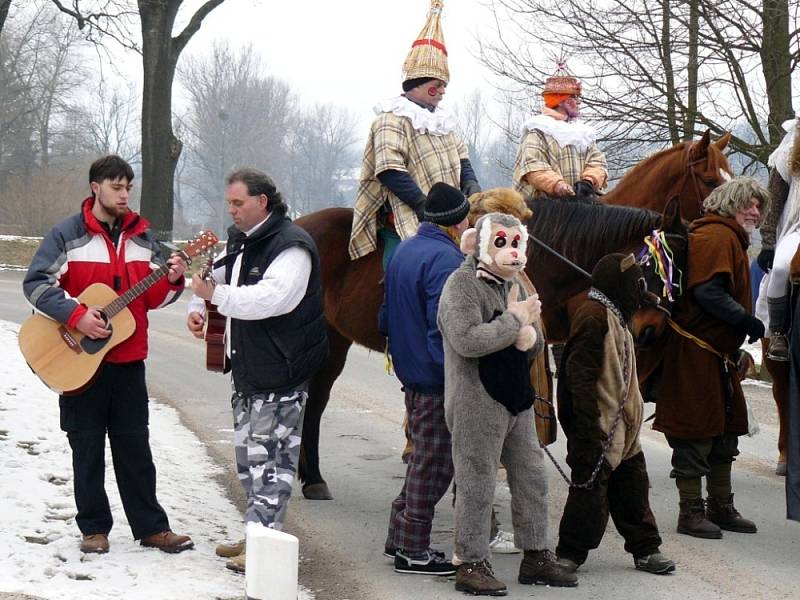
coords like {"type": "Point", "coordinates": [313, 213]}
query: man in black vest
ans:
{"type": "Point", "coordinates": [267, 285]}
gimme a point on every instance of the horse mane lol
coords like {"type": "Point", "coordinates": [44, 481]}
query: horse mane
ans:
{"type": "Point", "coordinates": [586, 232]}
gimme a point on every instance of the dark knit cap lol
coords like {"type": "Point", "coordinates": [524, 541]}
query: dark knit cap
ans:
{"type": "Point", "coordinates": [410, 84]}
{"type": "Point", "coordinates": [446, 205]}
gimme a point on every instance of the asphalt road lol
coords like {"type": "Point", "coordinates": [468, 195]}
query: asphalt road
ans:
{"type": "Point", "coordinates": [341, 540]}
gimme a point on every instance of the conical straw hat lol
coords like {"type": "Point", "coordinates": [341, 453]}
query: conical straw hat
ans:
{"type": "Point", "coordinates": [428, 55]}
{"type": "Point", "coordinates": [561, 82]}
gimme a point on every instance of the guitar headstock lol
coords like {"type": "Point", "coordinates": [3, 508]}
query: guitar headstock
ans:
{"type": "Point", "coordinates": [201, 244]}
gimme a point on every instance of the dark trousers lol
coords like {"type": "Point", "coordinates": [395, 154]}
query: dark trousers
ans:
{"type": "Point", "coordinates": [624, 494]}
{"type": "Point", "coordinates": [428, 474]}
{"type": "Point", "coordinates": [115, 403]}
{"type": "Point", "coordinates": [694, 458]}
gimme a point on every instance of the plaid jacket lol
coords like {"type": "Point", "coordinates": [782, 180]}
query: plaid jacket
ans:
{"type": "Point", "coordinates": [539, 152]}
{"type": "Point", "coordinates": [393, 143]}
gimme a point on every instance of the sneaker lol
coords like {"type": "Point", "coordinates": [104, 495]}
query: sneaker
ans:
{"type": "Point", "coordinates": [503, 543]}
{"type": "Point", "coordinates": [94, 543]}
{"type": "Point", "coordinates": [655, 563]}
{"type": "Point", "coordinates": [427, 562]}
{"type": "Point", "coordinates": [229, 550]}
{"type": "Point", "coordinates": [168, 541]}
{"type": "Point", "coordinates": [390, 552]}
{"type": "Point", "coordinates": [477, 578]}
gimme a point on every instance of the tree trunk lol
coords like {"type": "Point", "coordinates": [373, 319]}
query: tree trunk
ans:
{"type": "Point", "coordinates": [776, 62]}
{"type": "Point", "coordinates": [160, 148]}
{"type": "Point", "coordinates": [4, 6]}
{"type": "Point", "coordinates": [669, 73]}
{"type": "Point", "coordinates": [692, 68]}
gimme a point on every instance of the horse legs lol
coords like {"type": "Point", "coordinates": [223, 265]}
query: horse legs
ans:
{"type": "Point", "coordinates": [319, 391]}
{"type": "Point", "coordinates": [779, 371]}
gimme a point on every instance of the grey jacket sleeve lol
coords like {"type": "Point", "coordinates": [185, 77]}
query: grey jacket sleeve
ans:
{"type": "Point", "coordinates": [461, 321]}
{"type": "Point", "coordinates": [40, 285]}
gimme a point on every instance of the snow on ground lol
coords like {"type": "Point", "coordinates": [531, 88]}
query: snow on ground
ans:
{"type": "Point", "coordinates": [39, 539]}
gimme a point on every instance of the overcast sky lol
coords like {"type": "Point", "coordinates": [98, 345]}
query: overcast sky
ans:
{"type": "Point", "coordinates": [348, 52]}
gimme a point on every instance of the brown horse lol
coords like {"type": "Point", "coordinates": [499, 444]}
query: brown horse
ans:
{"type": "Point", "coordinates": [688, 171]}
{"type": "Point", "coordinates": [353, 291]}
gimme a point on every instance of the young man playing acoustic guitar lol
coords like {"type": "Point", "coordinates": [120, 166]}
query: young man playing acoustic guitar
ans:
{"type": "Point", "coordinates": [108, 243]}
{"type": "Point", "coordinates": [267, 284]}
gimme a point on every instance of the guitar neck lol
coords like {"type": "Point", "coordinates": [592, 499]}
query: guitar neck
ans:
{"type": "Point", "coordinates": [137, 290]}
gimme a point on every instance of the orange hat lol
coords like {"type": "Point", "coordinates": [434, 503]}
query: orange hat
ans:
{"type": "Point", "coordinates": [561, 83]}
{"type": "Point", "coordinates": [428, 55]}
{"type": "Point", "coordinates": [552, 100]}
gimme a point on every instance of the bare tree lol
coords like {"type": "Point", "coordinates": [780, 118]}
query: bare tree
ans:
{"type": "Point", "coordinates": [321, 156]}
{"type": "Point", "coordinates": [659, 72]}
{"type": "Point", "coordinates": [160, 53]}
{"type": "Point", "coordinates": [473, 125]}
{"type": "Point", "coordinates": [5, 5]}
{"type": "Point", "coordinates": [110, 125]}
{"type": "Point", "coordinates": [237, 116]}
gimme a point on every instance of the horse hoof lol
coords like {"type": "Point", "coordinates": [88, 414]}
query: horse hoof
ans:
{"type": "Point", "coordinates": [317, 491]}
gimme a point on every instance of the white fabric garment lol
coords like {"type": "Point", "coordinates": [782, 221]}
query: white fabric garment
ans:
{"type": "Point", "coordinates": [438, 122]}
{"type": "Point", "coordinates": [279, 291]}
{"type": "Point", "coordinates": [566, 133]}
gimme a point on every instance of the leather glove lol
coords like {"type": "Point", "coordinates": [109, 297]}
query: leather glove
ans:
{"type": "Point", "coordinates": [584, 189]}
{"type": "Point", "coordinates": [471, 187]}
{"type": "Point", "coordinates": [419, 207]}
{"type": "Point", "coordinates": [765, 258]}
{"type": "Point", "coordinates": [752, 327]}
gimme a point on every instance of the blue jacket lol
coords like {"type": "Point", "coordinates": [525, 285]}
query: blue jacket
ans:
{"type": "Point", "coordinates": [415, 277]}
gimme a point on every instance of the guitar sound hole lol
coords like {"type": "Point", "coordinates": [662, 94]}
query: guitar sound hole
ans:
{"type": "Point", "coordinates": [91, 346]}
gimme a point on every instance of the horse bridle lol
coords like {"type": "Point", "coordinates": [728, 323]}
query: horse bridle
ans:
{"type": "Point", "coordinates": [689, 174]}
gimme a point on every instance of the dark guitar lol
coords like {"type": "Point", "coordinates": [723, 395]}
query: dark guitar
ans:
{"type": "Point", "coordinates": [215, 329]}
{"type": "Point", "coordinates": [66, 360]}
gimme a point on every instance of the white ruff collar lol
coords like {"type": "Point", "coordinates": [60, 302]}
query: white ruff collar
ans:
{"type": "Point", "coordinates": [566, 133]}
{"type": "Point", "coordinates": [438, 122]}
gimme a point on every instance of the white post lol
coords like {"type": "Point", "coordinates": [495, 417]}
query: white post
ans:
{"type": "Point", "coordinates": [271, 564]}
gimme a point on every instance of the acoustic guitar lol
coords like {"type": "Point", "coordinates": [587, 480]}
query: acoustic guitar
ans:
{"type": "Point", "coordinates": [66, 360]}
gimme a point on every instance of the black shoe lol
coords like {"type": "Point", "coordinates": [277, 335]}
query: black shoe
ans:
{"type": "Point", "coordinates": [723, 513]}
{"type": "Point", "coordinates": [541, 567]}
{"type": "Point", "coordinates": [390, 552]}
{"type": "Point", "coordinates": [427, 562]}
{"type": "Point", "coordinates": [655, 563]}
{"type": "Point", "coordinates": [692, 520]}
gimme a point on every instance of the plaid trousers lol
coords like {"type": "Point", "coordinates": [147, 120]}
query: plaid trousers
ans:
{"type": "Point", "coordinates": [428, 474]}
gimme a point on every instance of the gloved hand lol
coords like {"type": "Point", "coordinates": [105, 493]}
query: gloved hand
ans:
{"type": "Point", "coordinates": [471, 187]}
{"type": "Point", "coordinates": [584, 190]}
{"type": "Point", "coordinates": [752, 327]}
{"type": "Point", "coordinates": [419, 207]}
{"type": "Point", "coordinates": [765, 258]}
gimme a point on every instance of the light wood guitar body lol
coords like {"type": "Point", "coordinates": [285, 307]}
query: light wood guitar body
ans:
{"type": "Point", "coordinates": [64, 359]}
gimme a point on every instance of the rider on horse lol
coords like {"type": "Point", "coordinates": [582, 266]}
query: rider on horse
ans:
{"type": "Point", "coordinates": [558, 154]}
{"type": "Point", "coordinates": [780, 236]}
{"type": "Point", "coordinates": [412, 145]}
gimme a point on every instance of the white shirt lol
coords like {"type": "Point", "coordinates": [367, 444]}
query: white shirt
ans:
{"type": "Point", "coordinates": [279, 291]}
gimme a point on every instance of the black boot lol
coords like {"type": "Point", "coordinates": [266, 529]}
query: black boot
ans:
{"type": "Point", "coordinates": [692, 521]}
{"type": "Point", "coordinates": [778, 349]}
{"type": "Point", "coordinates": [722, 512]}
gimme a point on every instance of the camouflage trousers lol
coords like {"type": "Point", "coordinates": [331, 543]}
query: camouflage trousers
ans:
{"type": "Point", "coordinates": [266, 434]}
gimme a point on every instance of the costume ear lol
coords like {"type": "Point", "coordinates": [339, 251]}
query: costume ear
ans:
{"type": "Point", "coordinates": [468, 241]}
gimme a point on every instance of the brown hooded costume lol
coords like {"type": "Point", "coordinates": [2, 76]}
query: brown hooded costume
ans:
{"type": "Point", "coordinates": [600, 409]}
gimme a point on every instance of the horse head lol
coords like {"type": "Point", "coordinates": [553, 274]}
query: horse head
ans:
{"type": "Point", "coordinates": [689, 171]}
{"type": "Point", "coordinates": [663, 260]}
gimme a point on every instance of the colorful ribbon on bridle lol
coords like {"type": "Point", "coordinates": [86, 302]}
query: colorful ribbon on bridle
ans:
{"type": "Point", "coordinates": [657, 248]}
